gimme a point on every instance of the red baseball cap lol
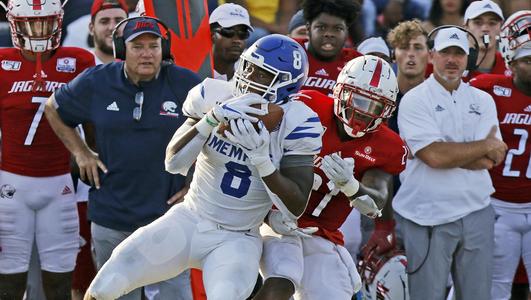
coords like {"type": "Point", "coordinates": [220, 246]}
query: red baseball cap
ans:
{"type": "Point", "coordinates": [99, 5]}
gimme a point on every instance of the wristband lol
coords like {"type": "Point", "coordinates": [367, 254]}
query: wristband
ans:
{"type": "Point", "coordinates": [211, 122]}
{"type": "Point", "coordinates": [351, 187]}
{"type": "Point", "coordinates": [265, 168]}
{"type": "Point", "coordinates": [204, 127]}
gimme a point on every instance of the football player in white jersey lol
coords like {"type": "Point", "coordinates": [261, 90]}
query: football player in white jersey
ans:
{"type": "Point", "coordinates": [239, 174]}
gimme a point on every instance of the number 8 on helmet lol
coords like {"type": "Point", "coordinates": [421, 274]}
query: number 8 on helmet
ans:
{"type": "Point", "coordinates": [279, 56]}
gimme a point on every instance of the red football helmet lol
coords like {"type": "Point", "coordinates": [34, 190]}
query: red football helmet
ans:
{"type": "Point", "coordinates": [384, 277]}
{"type": "Point", "coordinates": [365, 93]}
{"type": "Point", "coordinates": [35, 24]}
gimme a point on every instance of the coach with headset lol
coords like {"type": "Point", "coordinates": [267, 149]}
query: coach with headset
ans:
{"type": "Point", "coordinates": [443, 205]}
{"type": "Point", "coordinates": [135, 106]}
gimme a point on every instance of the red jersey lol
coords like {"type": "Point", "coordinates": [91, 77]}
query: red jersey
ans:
{"type": "Point", "coordinates": [322, 75]}
{"type": "Point", "coordinates": [29, 145]}
{"type": "Point", "coordinates": [382, 149]}
{"type": "Point", "coordinates": [511, 178]}
{"type": "Point", "coordinates": [499, 68]}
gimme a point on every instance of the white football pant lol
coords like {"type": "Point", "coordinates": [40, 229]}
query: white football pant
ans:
{"type": "Point", "coordinates": [179, 240]}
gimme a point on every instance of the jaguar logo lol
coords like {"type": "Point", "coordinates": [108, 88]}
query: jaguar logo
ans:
{"type": "Point", "coordinates": [7, 191]}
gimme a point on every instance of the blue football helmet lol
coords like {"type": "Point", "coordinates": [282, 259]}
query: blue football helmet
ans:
{"type": "Point", "coordinates": [280, 58]}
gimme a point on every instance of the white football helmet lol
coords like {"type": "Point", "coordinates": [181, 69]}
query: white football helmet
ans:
{"type": "Point", "coordinates": [365, 94]}
{"type": "Point", "coordinates": [384, 277]}
{"type": "Point", "coordinates": [515, 36]}
{"type": "Point", "coordinates": [35, 24]}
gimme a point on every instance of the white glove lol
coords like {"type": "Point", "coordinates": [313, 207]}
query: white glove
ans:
{"type": "Point", "coordinates": [239, 108]}
{"type": "Point", "coordinates": [255, 144]}
{"type": "Point", "coordinates": [341, 172]}
{"type": "Point", "coordinates": [283, 225]}
{"type": "Point", "coordinates": [366, 205]}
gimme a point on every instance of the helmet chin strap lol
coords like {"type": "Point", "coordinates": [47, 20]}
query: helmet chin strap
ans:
{"type": "Point", "coordinates": [351, 133]}
{"type": "Point", "coordinates": [38, 83]}
{"type": "Point", "coordinates": [359, 133]}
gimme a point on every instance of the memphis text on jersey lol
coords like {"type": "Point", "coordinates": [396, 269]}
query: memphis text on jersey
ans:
{"type": "Point", "coordinates": [227, 148]}
{"type": "Point", "coordinates": [26, 86]}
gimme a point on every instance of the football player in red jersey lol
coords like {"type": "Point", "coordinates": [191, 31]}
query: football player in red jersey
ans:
{"type": "Point", "coordinates": [327, 22]}
{"type": "Point", "coordinates": [37, 196]}
{"type": "Point", "coordinates": [511, 178]}
{"type": "Point", "coordinates": [355, 166]}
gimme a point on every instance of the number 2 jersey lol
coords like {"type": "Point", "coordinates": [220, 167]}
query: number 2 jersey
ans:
{"type": "Point", "coordinates": [29, 145]}
{"type": "Point", "coordinates": [511, 178]}
{"type": "Point", "coordinates": [226, 187]}
{"type": "Point", "coordinates": [382, 149]}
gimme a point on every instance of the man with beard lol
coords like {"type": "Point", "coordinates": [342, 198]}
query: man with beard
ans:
{"type": "Point", "coordinates": [105, 14]}
{"type": "Point", "coordinates": [327, 22]}
{"type": "Point", "coordinates": [229, 29]}
{"type": "Point", "coordinates": [443, 205]}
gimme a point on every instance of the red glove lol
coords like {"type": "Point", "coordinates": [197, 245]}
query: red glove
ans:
{"type": "Point", "coordinates": [383, 238]}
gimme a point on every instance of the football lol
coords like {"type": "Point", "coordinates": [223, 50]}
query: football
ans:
{"type": "Point", "coordinates": [271, 120]}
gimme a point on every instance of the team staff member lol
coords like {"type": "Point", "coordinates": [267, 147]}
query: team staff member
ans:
{"type": "Point", "coordinates": [443, 205]}
{"type": "Point", "coordinates": [229, 30]}
{"type": "Point", "coordinates": [511, 201]}
{"type": "Point", "coordinates": [36, 192]}
{"type": "Point", "coordinates": [135, 108]}
{"type": "Point", "coordinates": [327, 22]}
{"type": "Point", "coordinates": [484, 19]}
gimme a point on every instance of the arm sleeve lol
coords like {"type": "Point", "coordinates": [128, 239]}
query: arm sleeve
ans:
{"type": "Point", "coordinates": [417, 126]}
{"type": "Point", "coordinates": [204, 96]}
{"type": "Point", "coordinates": [181, 161]}
{"type": "Point", "coordinates": [73, 100]}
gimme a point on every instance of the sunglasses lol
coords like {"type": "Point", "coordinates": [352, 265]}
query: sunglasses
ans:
{"type": "Point", "coordinates": [139, 100]}
{"type": "Point", "coordinates": [230, 33]}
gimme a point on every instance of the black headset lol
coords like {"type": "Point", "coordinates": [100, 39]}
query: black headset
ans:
{"type": "Point", "coordinates": [119, 42]}
{"type": "Point", "coordinates": [472, 51]}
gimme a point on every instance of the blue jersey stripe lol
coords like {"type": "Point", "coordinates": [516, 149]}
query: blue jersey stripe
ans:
{"type": "Point", "coordinates": [300, 128]}
{"type": "Point", "coordinates": [313, 119]}
{"type": "Point", "coordinates": [300, 135]}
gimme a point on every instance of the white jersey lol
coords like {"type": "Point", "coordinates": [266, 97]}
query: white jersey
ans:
{"type": "Point", "coordinates": [226, 187]}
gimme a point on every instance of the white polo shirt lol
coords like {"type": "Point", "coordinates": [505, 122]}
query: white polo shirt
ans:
{"type": "Point", "coordinates": [429, 113]}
